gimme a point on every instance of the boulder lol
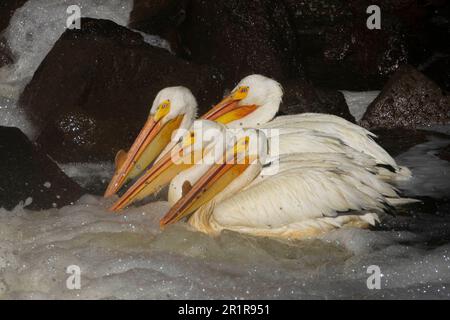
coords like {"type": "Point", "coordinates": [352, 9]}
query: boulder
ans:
{"type": "Point", "coordinates": [301, 96]}
{"type": "Point", "coordinates": [409, 99]}
{"type": "Point", "coordinates": [27, 173]}
{"type": "Point", "coordinates": [338, 51]}
{"type": "Point", "coordinates": [241, 38]}
{"type": "Point", "coordinates": [93, 92]}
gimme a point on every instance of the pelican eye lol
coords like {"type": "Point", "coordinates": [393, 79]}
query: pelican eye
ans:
{"type": "Point", "coordinates": [241, 93]}
{"type": "Point", "coordinates": [162, 110]}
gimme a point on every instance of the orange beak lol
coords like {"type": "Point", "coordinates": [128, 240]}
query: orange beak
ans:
{"type": "Point", "coordinates": [158, 176]}
{"type": "Point", "coordinates": [150, 142]}
{"type": "Point", "coordinates": [228, 110]}
{"type": "Point", "coordinates": [153, 180]}
{"type": "Point", "coordinates": [216, 179]}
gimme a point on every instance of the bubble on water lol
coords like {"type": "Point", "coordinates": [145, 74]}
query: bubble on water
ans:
{"type": "Point", "coordinates": [132, 258]}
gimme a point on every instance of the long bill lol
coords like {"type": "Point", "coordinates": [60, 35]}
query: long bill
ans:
{"type": "Point", "coordinates": [150, 142]}
{"type": "Point", "coordinates": [216, 179]}
{"type": "Point", "coordinates": [155, 178]}
{"type": "Point", "coordinates": [228, 110]}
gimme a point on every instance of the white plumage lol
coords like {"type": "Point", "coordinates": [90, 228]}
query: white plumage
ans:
{"type": "Point", "coordinates": [310, 194]}
{"type": "Point", "coordinates": [329, 173]}
{"type": "Point", "coordinates": [349, 134]}
{"type": "Point", "coordinates": [267, 94]}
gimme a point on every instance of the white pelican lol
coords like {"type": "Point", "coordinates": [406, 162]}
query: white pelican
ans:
{"type": "Point", "coordinates": [311, 192]}
{"type": "Point", "coordinates": [254, 103]}
{"type": "Point", "coordinates": [173, 108]}
{"type": "Point", "coordinates": [180, 158]}
{"type": "Point", "coordinates": [173, 111]}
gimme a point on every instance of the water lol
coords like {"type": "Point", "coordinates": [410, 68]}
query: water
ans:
{"type": "Point", "coordinates": [128, 256]}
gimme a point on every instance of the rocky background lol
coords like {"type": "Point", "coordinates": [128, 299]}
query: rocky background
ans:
{"type": "Point", "coordinates": [92, 93]}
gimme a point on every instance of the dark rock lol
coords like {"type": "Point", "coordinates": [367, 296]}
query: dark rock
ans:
{"type": "Point", "coordinates": [241, 38]}
{"type": "Point", "coordinates": [439, 72]}
{"type": "Point", "coordinates": [409, 99]}
{"type": "Point", "coordinates": [26, 171]}
{"type": "Point", "coordinates": [433, 33]}
{"type": "Point", "coordinates": [93, 92]}
{"type": "Point", "coordinates": [339, 51]}
{"type": "Point", "coordinates": [300, 96]}
{"type": "Point", "coordinates": [159, 17]}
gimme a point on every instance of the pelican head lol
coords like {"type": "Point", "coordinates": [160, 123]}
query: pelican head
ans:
{"type": "Point", "coordinates": [201, 145]}
{"type": "Point", "coordinates": [242, 161]}
{"type": "Point", "coordinates": [174, 108]}
{"type": "Point", "coordinates": [254, 101]}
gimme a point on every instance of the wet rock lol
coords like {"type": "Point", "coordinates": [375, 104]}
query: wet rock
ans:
{"type": "Point", "coordinates": [409, 99]}
{"type": "Point", "coordinates": [300, 96]}
{"type": "Point", "coordinates": [433, 32]}
{"type": "Point", "coordinates": [27, 173]}
{"type": "Point", "coordinates": [339, 51]}
{"type": "Point", "coordinates": [159, 17]}
{"type": "Point", "coordinates": [93, 92]}
{"type": "Point", "coordinates": [241, 38]}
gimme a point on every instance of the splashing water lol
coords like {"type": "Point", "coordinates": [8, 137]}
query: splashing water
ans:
{"type": "Point", "coordinates": [127, 256]}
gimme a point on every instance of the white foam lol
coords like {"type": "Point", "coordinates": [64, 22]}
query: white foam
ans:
{"type": "Point", "coordinates": [358, 101]}
{"type": "Point", "coordinates": [128, 256]}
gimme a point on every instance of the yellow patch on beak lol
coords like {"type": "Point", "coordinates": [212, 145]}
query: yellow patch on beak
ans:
{"type": "Point", "coordinates": [240, 93]}
{"type": "Point", "coordinates": [236, 114]}
{"type": "Point", "coordinates": [162, 110]}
